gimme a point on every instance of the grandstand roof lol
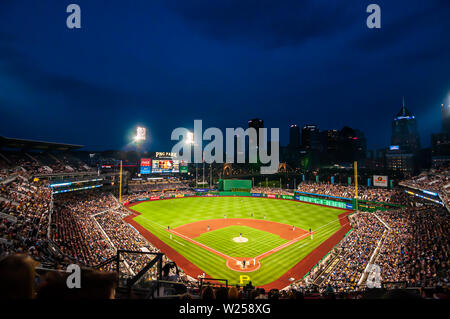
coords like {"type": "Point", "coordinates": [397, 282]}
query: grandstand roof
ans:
{"type": "Point", "coordinates": [36, 145]}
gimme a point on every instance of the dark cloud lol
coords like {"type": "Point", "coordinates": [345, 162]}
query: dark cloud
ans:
{"type": "Point", "coordinates": [266, 22]}
{"type": "Point", "coordinates": [407, 22]}
{"type": "Point", "coordinates": [63, 91]}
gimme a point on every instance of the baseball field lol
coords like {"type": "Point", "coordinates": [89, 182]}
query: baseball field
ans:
{"type": "Point", "coordinates": [277, 240]}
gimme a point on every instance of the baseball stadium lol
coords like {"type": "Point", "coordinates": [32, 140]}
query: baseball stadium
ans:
{"type": "Point", "coordinates": [200, 154]}
{"type": "Point", "coordinates": [157, 227]}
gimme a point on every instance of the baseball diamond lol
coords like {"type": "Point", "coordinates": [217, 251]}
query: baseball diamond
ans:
{"type": "Point", "coordinates": [193, 232]}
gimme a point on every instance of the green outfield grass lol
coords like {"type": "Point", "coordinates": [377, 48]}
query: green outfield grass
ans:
{"type": "Point", "coordinates": [157, 215]}
{"type": "Point", "coordinates": [258, 241]}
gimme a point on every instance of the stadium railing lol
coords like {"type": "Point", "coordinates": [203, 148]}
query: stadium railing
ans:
{"type": "Point", "coordinates": [213, 282]}
{"type": "Point", "coordinates": [142, 280]}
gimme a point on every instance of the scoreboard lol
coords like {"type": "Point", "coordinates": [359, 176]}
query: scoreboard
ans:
{"type": "Point", "coordinates": [165, 166]}
{"type": "Point", "coordinates": [149, 166]}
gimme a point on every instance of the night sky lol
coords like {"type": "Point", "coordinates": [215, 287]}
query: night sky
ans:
{"type": "Point", "coordinates": [163, 64]}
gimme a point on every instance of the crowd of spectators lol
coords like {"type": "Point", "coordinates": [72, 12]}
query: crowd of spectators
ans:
{"type": "Point", "coordinates": [376, 194]}
{"type": "Point", "coordinates": [414, 252]}
{"type": "Point", "coordinates": [165, 193]}
{"type": "Point", "coordinates": [43, 163]}
{"type": "Point", "coordinates": [24, 210]}
{"type": "Point", "coordinates": [89, 228]}
{"type": "Point", "coordinates": [154, 187]}
{"type": "Point", "coordinates": [74, 230]}
{"type": "Point", "coordinates": [352, 253]}
{"type": "Point", "coordinates": [124, 237]}
{"type": "Point", "coordinates": [271, 190]}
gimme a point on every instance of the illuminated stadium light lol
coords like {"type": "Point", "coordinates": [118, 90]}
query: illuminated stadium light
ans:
{"type": "Point", "coordinates": [140, 134]}
{"type": "Point", "coordinates": [190, 138]}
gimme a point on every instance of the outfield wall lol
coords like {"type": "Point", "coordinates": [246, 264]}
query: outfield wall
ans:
{"type": "Point", "coordinates": [247, 194]}
{"type": "Point", "coordinates": [349, 204]}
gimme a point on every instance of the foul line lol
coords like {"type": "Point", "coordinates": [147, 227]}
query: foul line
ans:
{"type": "Point", "coordinates": [178, 242]}
{"type": "Point", "coordinates": [293, 241]}
{"type": "Point", "coordinates": [189, 239]}
{"type": "Point", "coordinates": [200, 244]}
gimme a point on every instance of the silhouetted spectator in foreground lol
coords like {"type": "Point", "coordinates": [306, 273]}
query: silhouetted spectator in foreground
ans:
{"type": "Point", "coordinates": [233, 293]}
{"type": "Point", "coordinates": [222, 293]}
{"type": "Point", "coordinates": [94, 285]}
{"type": "Point", "coordinates": [208, 293]}
{"type": "Point", "coordinates": [17, 273]}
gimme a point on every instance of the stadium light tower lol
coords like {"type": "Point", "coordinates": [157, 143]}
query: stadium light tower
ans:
{"type": "Point", "coordinates": [190, 141]}
{"type": "Point", "coordinates": [190, 138]}
{"type": "Point", "coordinates": [141, 135]}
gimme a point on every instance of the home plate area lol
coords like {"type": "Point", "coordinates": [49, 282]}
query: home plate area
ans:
{"type": "Point", "coordinates": [243, 264]}
{"type": "Point", "coordinates": [253, 235]}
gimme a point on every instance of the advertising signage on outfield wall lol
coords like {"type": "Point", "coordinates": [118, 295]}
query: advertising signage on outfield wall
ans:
{"type": "Point", "coordinates": [201, 190]}
{"type": "Point", "coordinates": [325, 202]}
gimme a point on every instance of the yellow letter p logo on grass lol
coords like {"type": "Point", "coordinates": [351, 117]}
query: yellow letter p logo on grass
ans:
{"type": "Point", "coordinates": [243, 278]}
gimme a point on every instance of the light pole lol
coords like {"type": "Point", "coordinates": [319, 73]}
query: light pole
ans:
{"type": "Point", "coordinates": [190, 141]}
{"type": "Point", "coordinates": [141, 135]}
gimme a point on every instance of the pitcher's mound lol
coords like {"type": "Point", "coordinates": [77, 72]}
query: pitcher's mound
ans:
{"type": "Point", "coordinates": [240, 239]}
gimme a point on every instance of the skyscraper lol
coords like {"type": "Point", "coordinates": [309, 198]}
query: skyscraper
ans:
{"type": "Point", "coordinates": [294, 136]}
{"type": "Point", "coordinates": [310, 137]}
{"type": "Point", "coordinates": [405, 143]}
{"type": "Point", "coordinates": [332, 139]}
{"type": "Point", "coordinates": [404, 130]}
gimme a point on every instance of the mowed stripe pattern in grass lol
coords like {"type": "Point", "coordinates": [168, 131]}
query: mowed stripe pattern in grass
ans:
{"type": "Point", "coordinates": [157, 215]}
{"type": "Point", "coordinates": [258, 241]}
